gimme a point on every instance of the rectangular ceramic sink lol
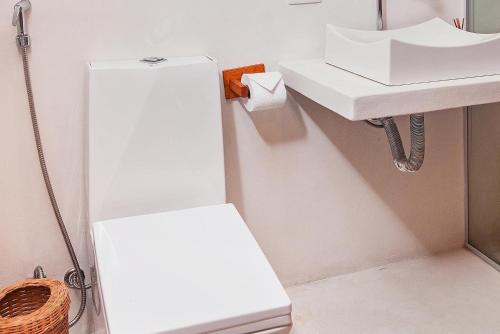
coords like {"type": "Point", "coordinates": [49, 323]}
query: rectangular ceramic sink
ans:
{"type": "Point", "coordinates": [431, 51]}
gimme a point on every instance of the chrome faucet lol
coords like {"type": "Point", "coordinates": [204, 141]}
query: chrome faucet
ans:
{"type": "Point", "coordinates": [380, 19]}
{"type": "Point", "coordinates": [19, 20]}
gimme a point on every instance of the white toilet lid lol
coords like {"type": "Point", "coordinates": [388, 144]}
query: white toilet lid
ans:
{"type": "Point", "coordinates": [191, 271]}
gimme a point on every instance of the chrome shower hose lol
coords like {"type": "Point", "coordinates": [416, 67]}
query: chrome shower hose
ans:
{"type": "Point", "coordinates": [48, 185]}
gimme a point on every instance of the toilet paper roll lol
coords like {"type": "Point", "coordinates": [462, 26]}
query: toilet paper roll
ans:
{"type": "Point", "coordinates": [267, 91]}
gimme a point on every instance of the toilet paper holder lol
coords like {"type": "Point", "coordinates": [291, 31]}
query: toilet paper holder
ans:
{"type": "Point", "coordinates": [233, 87]}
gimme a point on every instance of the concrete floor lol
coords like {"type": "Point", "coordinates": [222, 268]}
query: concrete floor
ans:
{"type": "Point", "coordinates": [451, 293]}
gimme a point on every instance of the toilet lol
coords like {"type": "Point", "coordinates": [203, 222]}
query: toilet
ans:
{"type": "Point", "coordinates": [169, 254]}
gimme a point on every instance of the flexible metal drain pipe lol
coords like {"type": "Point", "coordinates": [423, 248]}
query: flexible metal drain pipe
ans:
{"type": "Point", "coordinates": [417, 153]}
{"type": "Point", "coordinates": [23, 42]}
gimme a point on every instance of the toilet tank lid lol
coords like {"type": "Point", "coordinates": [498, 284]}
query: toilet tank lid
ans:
{"type": "Point", "coordinates": [140, 64]}
{"type": "Point", "coordinates": [190, 271]}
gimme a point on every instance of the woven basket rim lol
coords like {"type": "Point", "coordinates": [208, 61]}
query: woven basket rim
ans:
{"type": "Point", "coordinates": [58, 296]}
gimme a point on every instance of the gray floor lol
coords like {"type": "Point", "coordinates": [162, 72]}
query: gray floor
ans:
{"type": "Point", "coordinates": [451, 293]}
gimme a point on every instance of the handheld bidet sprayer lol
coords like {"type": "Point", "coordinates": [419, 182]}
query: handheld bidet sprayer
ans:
{"type": "Point", "coordinates": [19, 20]}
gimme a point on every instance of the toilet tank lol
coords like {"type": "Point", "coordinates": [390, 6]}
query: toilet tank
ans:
{"type": "Point", "coordinates": [154, 137]}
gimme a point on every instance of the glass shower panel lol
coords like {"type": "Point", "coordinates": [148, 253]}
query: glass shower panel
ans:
{"type": "Point", "coordinates": [484, 151]}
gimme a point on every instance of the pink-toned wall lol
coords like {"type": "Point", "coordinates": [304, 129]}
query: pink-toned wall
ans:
{"type": "Point", "coordinates": [319, 192]}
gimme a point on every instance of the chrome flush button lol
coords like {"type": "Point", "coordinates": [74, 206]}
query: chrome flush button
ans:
{"type": "Point", "coordinates": [153, 60]}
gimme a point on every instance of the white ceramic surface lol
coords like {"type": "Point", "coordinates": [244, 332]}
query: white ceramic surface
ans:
{"type": "Point", "coordinates": [189, 271]}
{"type": "Point", "coordinates": [153, 146]}
{"type": "Point", "coordinates": [430, 51]}
{"type": "Point", "coordinates": [357, 98]}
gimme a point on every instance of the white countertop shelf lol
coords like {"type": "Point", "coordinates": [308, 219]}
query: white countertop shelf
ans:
{"type": "Point", "coordinates": [357, 98]}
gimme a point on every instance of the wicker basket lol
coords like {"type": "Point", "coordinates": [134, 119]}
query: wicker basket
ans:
{"type": "Point", "coordinates": [37, 306]}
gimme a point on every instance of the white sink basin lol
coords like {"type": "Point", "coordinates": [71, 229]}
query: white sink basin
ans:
{"type": "Point", "coordinates": [431, 51]}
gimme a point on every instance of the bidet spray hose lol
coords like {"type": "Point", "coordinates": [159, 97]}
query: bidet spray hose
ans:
{"type": "Point", "coordinates": [48, 185]}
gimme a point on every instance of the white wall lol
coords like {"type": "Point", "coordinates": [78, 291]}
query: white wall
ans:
{"type": "Point", "coordinates": [319, 192]}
